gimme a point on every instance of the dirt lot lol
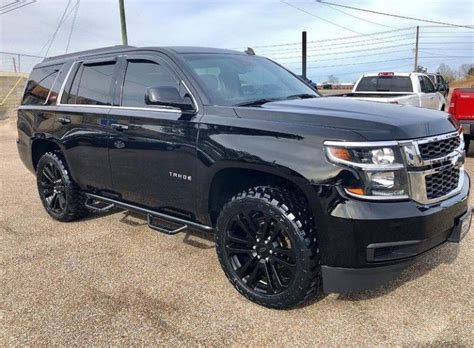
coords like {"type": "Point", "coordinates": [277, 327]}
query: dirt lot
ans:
{"type": "Point", "coordinates": [110, 280]}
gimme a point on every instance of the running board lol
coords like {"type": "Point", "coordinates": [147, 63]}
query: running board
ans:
{"type": "Point", "coordinates": [151, 216]}
{"type": "Point", "coordinates": [89, 203]}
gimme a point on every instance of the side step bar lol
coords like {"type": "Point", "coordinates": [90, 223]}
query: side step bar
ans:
{"type": "Point", "coordinates": [151, 215]}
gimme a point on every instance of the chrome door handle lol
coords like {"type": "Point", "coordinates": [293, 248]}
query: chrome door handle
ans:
{"type": "Point", "coordinates": [118, 126]}
{"type": "Point", "coordinates": [63, 120]}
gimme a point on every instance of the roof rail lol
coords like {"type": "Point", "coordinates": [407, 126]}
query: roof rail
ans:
{"type": "Point", "coordinates": [91, 51]}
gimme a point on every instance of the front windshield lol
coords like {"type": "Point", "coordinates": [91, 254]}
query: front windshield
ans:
{"type": "Point", "coordinates": [232, 79]}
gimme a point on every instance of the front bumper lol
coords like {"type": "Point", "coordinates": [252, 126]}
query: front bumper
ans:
{"type": "Point", "coordinates": [368, 244]}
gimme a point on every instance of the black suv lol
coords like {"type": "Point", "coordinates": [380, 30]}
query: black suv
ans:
{"type": "Point", "coordinates": [303, 193]}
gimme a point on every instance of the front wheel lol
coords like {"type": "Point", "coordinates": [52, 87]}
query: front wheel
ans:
{"type": "Point", "coordinates": [266, 245]}
{"type": "Point", "coordinates": [467, 142]}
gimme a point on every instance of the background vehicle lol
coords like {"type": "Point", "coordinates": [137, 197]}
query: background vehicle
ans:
{"type": "Point", "coordinates": [295, 187]}
{"type": "Point", "coordinates": [462, 107]}
{"type": "Point", "coordinates": [440, 83]}
{"type": "Point", "coordinates": [414, 89]}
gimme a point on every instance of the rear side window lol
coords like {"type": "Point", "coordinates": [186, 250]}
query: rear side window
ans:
{"type": "Point", "coordinates": [429, 85]}
{"type": "Point", "coordinates": [140, 75]}
{"type": "Point", "coordinates": [385, 84]}
{"type": "Point", "coordinates": [43, 86]}
{"type": "Point", "coordinates": [92, 84]}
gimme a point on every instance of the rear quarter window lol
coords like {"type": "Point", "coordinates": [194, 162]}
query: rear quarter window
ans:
{"type": "Point", "coordinates": [385, 84]}
{"type": "Point", "coordinates": [43, 86]}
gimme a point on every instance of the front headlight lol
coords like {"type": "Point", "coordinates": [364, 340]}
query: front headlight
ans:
{"type": "Point", "coordinates": [380, 169]}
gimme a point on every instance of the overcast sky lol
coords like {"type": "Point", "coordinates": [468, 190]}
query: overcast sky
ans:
{"type": "Point", "coordinates": [242, 23]}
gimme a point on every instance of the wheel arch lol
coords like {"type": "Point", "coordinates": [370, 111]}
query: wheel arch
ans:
{"type": "Point", "coordinates": [230, 179]}
{"type": "Point", "coordinates": [41, 145]}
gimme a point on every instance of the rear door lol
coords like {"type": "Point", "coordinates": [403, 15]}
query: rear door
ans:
{"type": "Point", "coordinates": [83, 113]}
{"type": "Point", "coordinates": [152, 148]}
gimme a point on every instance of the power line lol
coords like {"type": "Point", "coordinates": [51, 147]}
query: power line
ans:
{"type": "Point", "coordinates": [398, 16]}
{"type": "Point", "coordinates": [76, 9]}
{"type": "Point", "coordinates": [344, 52]}
{"type": "Point", "coordinates": [20, 5]}
{"type": "Point", "coordinates": [321, 18]}
{"type": "Point", "coordinates": [60, 23]}
{"type": "Point", "coordinates": [381, 61]}
{"type": "Point", "coordinates": [359, 18]}
{"type": "Point", "coordinates": [325, 40]}
{"type": "Point", "coordinates": [11, 4]}
{"type": "Point", "coordinates": [361, 63]}
{"type": "Point", "coordinates": [347, 57]}
{"type": "Point", "coordinates": [374, 48]}
{"type": "Point", "coordinates": [340, 45]}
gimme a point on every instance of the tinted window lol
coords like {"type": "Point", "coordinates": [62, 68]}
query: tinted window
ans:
{"type": "Point", "coordinates": [92, 84]}
{"type": "Point", "coordinates": [432, 78]}
{"type": "Point", "coordinates": [385, 84]}
{"type": "Point", "coordinates": [422, 84]}
{"type": "Point", "coordinates": [42, 81]}
{"type": "Point", "coordinates": [231, 79]}
{"type": "Point", "coordinates": [140, 75]}
{"type": "Point", "coordinates": [429, 85]}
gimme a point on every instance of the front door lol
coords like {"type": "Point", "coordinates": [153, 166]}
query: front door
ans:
{"type": "Point", "coordinates": [152, 150]}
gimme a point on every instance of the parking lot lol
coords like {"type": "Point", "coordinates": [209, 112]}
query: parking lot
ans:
{"type": "Point", "coordinates": [112, 280]}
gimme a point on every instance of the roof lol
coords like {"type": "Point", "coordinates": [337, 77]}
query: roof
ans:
{"type": "Point", "coordinates": [124, 48]}
{"type": "Point", "coordinates": [192, 49]}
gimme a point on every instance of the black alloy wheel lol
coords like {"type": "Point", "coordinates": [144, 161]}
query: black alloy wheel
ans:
{"type": "Point", "coordinates": [52, 185]}
{"type": "Point", "coordinates": [61, 197]}
{"type": "Point", "coordinates": [260, 251]}
{"type": "Point", "coordinates": [267, 247]}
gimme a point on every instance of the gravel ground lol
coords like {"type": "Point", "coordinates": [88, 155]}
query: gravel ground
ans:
{"type": "Point", "coordinates": [110, 280]}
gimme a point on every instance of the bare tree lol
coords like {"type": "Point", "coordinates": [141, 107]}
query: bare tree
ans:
{"type": "Point", "coordinates": [466, 70]}
{"type": "Point", "coordinates": [448, 73]}
{"type": "Point", "coordinates": [332, 79]}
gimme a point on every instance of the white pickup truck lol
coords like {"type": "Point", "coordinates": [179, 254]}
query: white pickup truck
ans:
{"type": "Point", "coordinates": [414, 89]}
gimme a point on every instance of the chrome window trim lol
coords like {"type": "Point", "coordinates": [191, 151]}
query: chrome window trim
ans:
{"type": "Point", "coordinates": [61, 91]}
{"type": "Point", "coordinates": [55, 79]}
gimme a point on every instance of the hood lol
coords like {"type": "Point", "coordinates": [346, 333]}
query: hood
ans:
{"type": "Point", "coordinates": [372, 120]}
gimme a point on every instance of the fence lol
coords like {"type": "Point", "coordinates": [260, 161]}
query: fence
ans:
{"type": "Point", "coordinates": [18, 62]}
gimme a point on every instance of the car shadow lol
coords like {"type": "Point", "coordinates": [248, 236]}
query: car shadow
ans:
{"type": "Point", "coordinates": [447, 254]}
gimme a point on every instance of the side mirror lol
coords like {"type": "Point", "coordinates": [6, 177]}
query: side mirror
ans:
{"type": "Point", "coordinates": [168, 96]}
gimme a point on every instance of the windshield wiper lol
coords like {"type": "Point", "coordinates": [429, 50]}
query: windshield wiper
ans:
{"type": "Point", "coordinates": [257, 102]}
{"type": "Point", "coordinates": [302, 96]}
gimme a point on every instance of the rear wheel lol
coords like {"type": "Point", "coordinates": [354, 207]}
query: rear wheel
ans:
{"type": "Point", "coordinates": [61, 197]}
{"type": "Point", "coordinates": [267, 247]}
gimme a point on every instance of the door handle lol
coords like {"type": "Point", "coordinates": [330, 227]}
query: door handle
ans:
{"type": "Point", "coordinates": [63, 120]}
{"type": "Point", "coordinates": [118, 126]}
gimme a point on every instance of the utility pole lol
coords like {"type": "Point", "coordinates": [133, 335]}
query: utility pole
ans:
{"type": "Point", "coordinates": [416, 47]}
{"type": "Point", "coordinates": [303, 54]}
{"type": "Point", "coordinates": [123, 23]}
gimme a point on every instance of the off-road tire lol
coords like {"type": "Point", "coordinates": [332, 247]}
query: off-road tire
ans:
{"type": "Point", "coordinates": [297, 219]}
{"type": "Point", "coordinates": [74, 207]}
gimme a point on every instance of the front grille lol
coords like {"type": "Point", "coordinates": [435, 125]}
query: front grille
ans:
{"type": "Point", "coordinates": [442, 183]}
{"type": "Point", "coordinates": [440, 148]}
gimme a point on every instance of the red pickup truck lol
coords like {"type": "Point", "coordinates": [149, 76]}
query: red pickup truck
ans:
{"type": "Point", "coordinates": [462, 107]}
